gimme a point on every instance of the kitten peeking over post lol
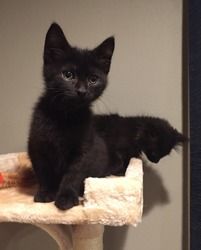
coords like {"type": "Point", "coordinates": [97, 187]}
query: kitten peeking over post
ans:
{"type": "Point", "coordinates": [67, 142]}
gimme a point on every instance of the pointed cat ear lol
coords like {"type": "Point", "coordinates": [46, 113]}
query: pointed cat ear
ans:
{"type": "Point", "coordinates": [104, 53]}
{"type": "Point", "coordinates": [56, 44]}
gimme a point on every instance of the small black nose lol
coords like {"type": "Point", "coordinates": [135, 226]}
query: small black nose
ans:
{"type": "Point", "coordinates": [81, 92]}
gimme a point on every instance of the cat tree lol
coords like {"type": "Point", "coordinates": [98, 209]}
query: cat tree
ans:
{"type": "Point", "coordinates": [112, 201]}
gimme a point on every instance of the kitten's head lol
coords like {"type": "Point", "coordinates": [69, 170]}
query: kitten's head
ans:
{"type": "Point", "coordinates": [159, 138]}
{"type": "Point", "coordinates": [78, 75]}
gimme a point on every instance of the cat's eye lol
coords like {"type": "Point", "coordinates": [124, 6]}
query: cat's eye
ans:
{"type": "Point", "coordinates": [93, 79]}
{"type": "Point", "coordinates": [68, 75]}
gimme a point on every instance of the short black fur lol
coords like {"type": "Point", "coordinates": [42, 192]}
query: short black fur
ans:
{"type": "Point", "coordinates": [62, 142]}
{"type": "Point", "coordinates": [67, 143]}
{"type": "Point", "coordinates": [128, 137]}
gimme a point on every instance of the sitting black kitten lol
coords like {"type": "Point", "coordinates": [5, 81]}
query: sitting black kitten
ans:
{"type": "Point", "coordinates": [128, 137]}
{"type": "Point", "coordinates": [67, 143]}
{"type": "Point", "coordinates": [63, 146]}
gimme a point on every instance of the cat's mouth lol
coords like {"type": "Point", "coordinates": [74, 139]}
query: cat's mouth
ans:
{"type": "Point", "coordinates": [77, 97]}
{"type": "Point", "coordinates": [79, 101]}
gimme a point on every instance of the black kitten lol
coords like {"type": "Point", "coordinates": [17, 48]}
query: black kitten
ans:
{"type": "Point", "coordinates": [67, 143]}
{"type": "Point", "coordinates": [63, 146]}
{"type": "Point", "coordinates": [128, 137]}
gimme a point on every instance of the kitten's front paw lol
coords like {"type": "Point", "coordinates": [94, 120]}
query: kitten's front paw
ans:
{"type": "Point", "coordinates": [64, 202]}
{"type": "Point", "coordinates": [44, 196]}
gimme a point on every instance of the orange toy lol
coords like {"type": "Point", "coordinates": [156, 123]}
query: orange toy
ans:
{"type": "Point", "coordinates": [15, 170]}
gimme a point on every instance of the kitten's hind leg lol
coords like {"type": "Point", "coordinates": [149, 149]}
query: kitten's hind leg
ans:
{"type": "Point", "coordinates": [44, 195]}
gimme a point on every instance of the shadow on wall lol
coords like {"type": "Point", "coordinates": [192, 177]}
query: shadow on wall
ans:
{"type": "Point", "coordinates": [154, 194]}
{"type": "Point", "coordinates": [16, 236]}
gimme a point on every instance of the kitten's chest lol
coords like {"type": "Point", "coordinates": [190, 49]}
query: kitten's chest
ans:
{"type": "Point", "coordinates": [66, 132]}
{"type": "Point", "coordinates": [72, 135]}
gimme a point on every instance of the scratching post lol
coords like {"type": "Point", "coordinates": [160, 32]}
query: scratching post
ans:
{"type": "Point", "coordinates": [60, 233]}
{"type": "Point", "coordinates": [112, 201]}
{"type": "Point", "coordinates": [88, 237]}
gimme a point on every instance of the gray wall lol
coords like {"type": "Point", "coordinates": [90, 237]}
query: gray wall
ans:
{"type": "Point", "coordinates": [145, 78]}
